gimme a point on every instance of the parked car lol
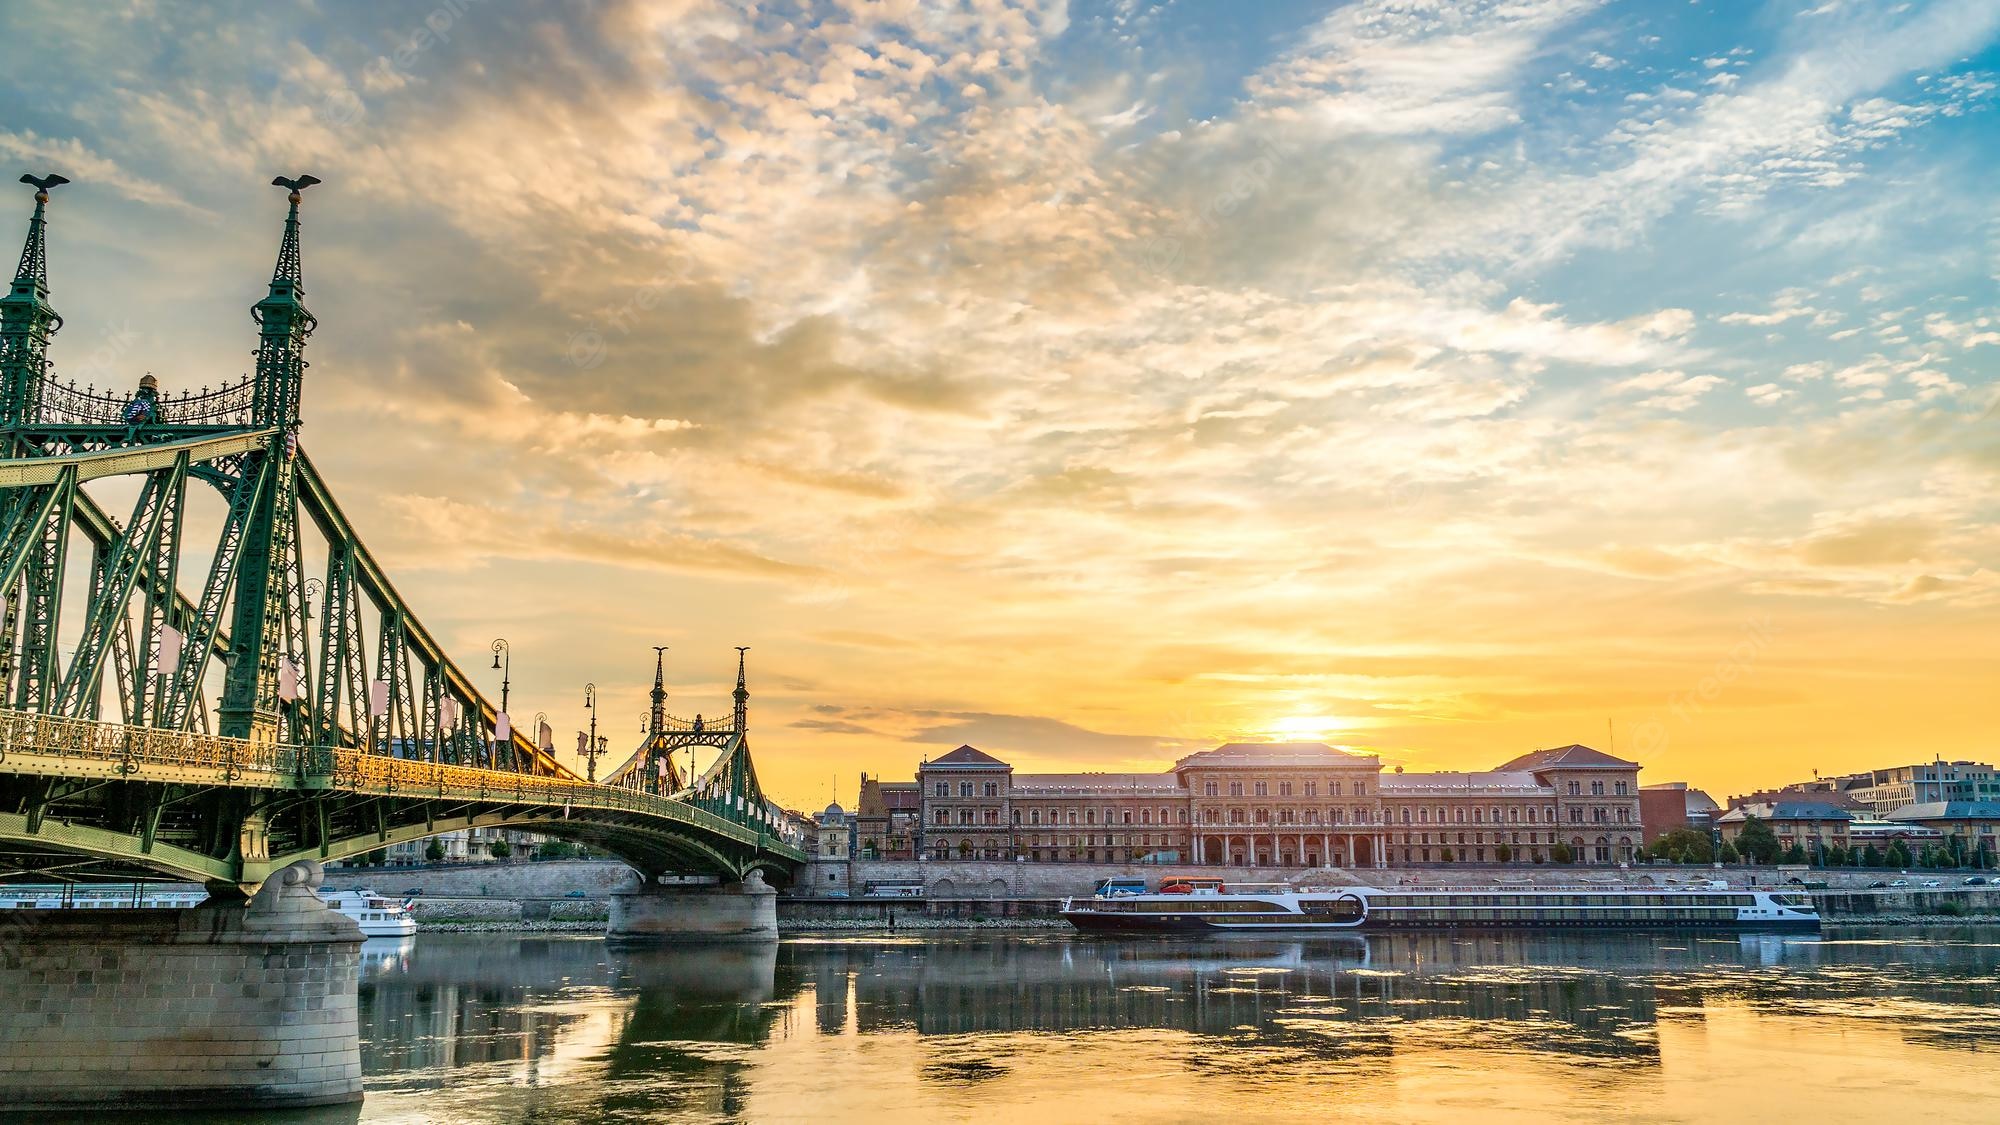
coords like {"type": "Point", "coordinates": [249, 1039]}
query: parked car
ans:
{"type": "Point", "coordinates": [1976, 881]}
{"type": "Point", "coordinates": [1930, 883]}
{"type": "Point", "coordinates": [1899, 882]}
{"type": "Point", "coordinates": [577, 894]}
{"type": "Point", "coordinates": [836, 894]}
{"type": "Point", "coordinates": [1877, 885]}
{"type": "Point", "coordinates": [413, 891]}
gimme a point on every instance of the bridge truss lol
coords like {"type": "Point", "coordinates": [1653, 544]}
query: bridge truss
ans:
{"type": "Point", "coordinates": [338, 727]}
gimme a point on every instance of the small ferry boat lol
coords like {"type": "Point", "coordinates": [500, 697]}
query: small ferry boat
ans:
{"type": "Point", "coordinates": [377, 916]}
{"type": "Point", "coordinates": [1196, 905]}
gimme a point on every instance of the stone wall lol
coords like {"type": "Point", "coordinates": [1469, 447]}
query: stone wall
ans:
{"type": "Point", "coordinates": [227, 1005]}
{"type": "Point", "coordinates": [550, 878]}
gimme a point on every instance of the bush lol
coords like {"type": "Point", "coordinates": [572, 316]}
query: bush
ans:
{"type": "Point", "coordinates": [1728, 854]}
{"type": "Point", "coordinates": [1446, 855]}
{"type": "Point", "coordinates": [1561, 853]}
{"type": "Point", "coordinates": [500, 849]}
{"type": "Point", "coordinates": [1504, 854]}
{"type": "Point", "coordinates": [434, 851]}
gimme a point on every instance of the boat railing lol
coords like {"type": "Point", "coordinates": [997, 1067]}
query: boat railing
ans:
{"type": "Point", "coordinates": [1560, 888]}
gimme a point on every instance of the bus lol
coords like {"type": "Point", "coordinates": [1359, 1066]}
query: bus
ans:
{"type": "Point", "coordinates": [1191, 885]}
{"type": "Point", "coordinates": [1120, 885]}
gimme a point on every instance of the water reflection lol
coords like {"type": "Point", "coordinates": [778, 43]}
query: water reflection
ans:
{"type": "Point", "coordinates": [503, 1028]}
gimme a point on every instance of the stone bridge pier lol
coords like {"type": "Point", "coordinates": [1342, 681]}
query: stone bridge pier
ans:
{"type": "Point", "coordinates": [696, 912]}
{"type": "Point", "coordinates": [228, 1004]}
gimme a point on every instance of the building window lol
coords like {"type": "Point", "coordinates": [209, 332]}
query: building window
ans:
{"type": "Point", "coordinates": [1423, 816]}
{"type": "Point", "coordinates": [1312, 816]}
{"type": "Point", "coordinates": [1597, 789]}
{"type": "Point", "coordinates": [1575, 788]}
{"type": "Point", "coordinates": [1619, 788]}
{"type": "Point", "coordinates": [1035, 816]}
{"type": "Point", "coordinates": [944, 816]}
{"type": "Point", "coordinates": [1263, 789]}
{"type": "Point", "coordinates": [1333, 789]}
{"type": "Point", "coordinates": [1127, 816]}
{"type": "Point", "coordinates": [1312, 788]}
{"type": "Point", "coordinates": [1236, 789]}
{"type": "Point", "coordinates": [944, 788]}
{"type": "Point", "coordinates": [992, 789]}
{"type": "Point", "coordinates": [1514, 815]}
{"type": "Point", "coordinates": [1090, 816]}
{"type": "Point", "coordinates": [1208, 789]}
{"type": "Point", "coordinates": [1235, 816]}
{"type": "Point", "coordinates": [1284, 789]}
{"type": "Point", "coordinates": [965, 816]}
{"type": "Point", "coordinates": [1406, 816]}
{"type": "Point", "coordinates": [992, 816]}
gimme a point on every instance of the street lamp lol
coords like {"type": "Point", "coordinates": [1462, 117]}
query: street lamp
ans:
{"type": "Point", "coordinates": [502, 648]}
{"type": "Point", "coordinates": [591, 748]}
{"type": "Point", "coordinates": [313, 587]}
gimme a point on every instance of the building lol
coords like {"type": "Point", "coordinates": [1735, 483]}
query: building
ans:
{"type": "Point", "coordinates": [889, 819]}
{"type": "Point", "coordinates": [1812, 825]}
{"type": "Point", "coordinates": [1270, 805]}
{"type": "Point", "coordinates": [1671, 805]}
{"type": "Point", "coordinates": [833, 835]}
{"type": "Point", "coordinates": [1883, 791]}
{"type": "Point", "coordinates": [1970, 830]}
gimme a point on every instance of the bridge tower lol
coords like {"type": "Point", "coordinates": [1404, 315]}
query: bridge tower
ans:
{"type": "Point", "coordinates": [27, 320]}
{"type": "Point", "coordinates": [268, 626]}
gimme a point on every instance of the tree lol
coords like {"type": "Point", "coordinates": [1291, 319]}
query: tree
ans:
{"type": "Point", "coordinates": [1833, 855]}
{"type": "Point", "coordinates": [1872, 857]}
{"type": "Point", "coordinates": [1504, 854]}
{"type": "Point", "coordinates": [1728, 854]}
{"type": "Point", "coordinates": [1796, 854]}
{"type": "Point", "coordinates": [555, 849]}
{"type": "Point", "coordinates": [1756, 841]}
{"type": "Point", "coordinates": [1446, 855]}
{"type": "Point", "coordinates": [1899, 854]}
{"type": "Point", "coordinates": [1684, 845]}
{"type": "Point", "coordinates": [500, 849]}
{"type": "Point", "coordinates": [1561, 853]}
{"type": "Point", "coordinates": [434, 851]}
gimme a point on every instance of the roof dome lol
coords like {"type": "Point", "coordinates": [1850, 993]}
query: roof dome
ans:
{"type": "Point", "coordinates": [834, 809]}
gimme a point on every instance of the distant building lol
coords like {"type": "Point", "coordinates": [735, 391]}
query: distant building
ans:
{"type": "Point", "coordinates": [1669, 805]}
{"type": "Point", "coordinates": [1883, 791]}
{"type": "Point", "coordinates": [889, 819]}
{"type": "Point", "coordinates": [1269, 805]}
{"type": "Point", "coordinates": [1969, 829]}
{"type": "Point", "coordinates": [1812, 825]}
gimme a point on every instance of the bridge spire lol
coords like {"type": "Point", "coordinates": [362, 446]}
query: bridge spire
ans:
{"type": "Point", "coordinates": [659, 689]}
{"type": "Point", "coordinates": [742, 693]}
{"type": "Point", "coordinates": [285, 322]}
{"type": "Point", "coordinates": [27, 320]}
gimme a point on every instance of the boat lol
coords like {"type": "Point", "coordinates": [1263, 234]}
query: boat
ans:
{"type": "Point", "coordinates": [377, 916]}
{"type": "Point", "coordinates": [1209, 906]}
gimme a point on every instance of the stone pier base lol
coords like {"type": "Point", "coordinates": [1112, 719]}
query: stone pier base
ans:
{"type": "Point", "coordinates": [227, 1005]}
{"type": "Point", "coordinates": [746, 911]}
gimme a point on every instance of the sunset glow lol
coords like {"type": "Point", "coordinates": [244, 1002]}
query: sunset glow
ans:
{"type": "Point", "coordinates": [1093, 383]}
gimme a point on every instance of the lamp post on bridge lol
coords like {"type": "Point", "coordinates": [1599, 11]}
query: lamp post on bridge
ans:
{"type": "Point", "coordinates": [502, 649]}
{"type": "Point", "coordinates": [591, 747]}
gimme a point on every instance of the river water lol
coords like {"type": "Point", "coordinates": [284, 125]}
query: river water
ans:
{"type": "Point", "coordinates": [1049, 1027]}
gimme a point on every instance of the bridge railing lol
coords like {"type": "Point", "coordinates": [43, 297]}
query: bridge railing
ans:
{"type": "Point", "coordinates": [90, 740]}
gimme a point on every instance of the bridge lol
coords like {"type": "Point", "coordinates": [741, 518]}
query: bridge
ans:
{"type": "Point", "coordinates": [194, 706]}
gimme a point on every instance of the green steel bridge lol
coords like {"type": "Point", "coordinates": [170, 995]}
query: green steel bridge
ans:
{"type": "Point", "coordinates": [336, 729]}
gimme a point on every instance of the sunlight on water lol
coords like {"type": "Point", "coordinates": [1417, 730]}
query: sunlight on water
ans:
{"type": "Point", "coordinates": [1565, 1028]}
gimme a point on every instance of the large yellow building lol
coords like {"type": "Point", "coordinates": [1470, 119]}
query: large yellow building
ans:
{"type": "Point", "coordinates": [1298, 804]}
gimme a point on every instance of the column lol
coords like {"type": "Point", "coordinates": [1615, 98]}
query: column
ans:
{"type": "Point", "coordinates": [698, 912]}
{"type": "Point", "coordinates": [1326, 848]}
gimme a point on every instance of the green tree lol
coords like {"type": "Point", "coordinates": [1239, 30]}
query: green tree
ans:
{"type": "Point", "coordinates": [1561, 853]}
{"type": "Point", "coordinates": [1756, 841]}
{"type": "Point", "coordinates": [1833, 855]}
{"type": "Point", "coordinates": [1684, 845]}
{"type": "Point", "coordinates": [434, 851]}
{"type": "Point", "coordinates": [1899, 854]}
{"type": "Point", "coordinates": [1728, 854]}
{"type": "Point", "coordinates": [1446, 855]}
{"type": "Point", "coordinates": [1871, 857]}
{"type": "Point", "coordinates": [500, 849]}
{"type": "Point", "coordinates": [1504, 854]}
{"type": "Point", "coordinates": [1796, 854]}
{"type": "Point", "coordinates": [555, 849]}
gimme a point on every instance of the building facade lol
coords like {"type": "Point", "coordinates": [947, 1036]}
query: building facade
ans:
{"type": "Point", "coordinates": [1268, 805]}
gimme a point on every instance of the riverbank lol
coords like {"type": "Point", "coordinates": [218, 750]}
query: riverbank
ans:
{"type": "Point", "coordinates": [918, 922]}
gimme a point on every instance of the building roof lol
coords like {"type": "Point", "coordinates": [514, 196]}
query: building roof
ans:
{"type": "Point", "coordinates": [1497, 783]}
{"type": "Point", "coordinates": [1097, 785]}
{"type": "Point", "coordinates": [1787, 810]}
{"type": "Point", "coordinates": [967, 757]}
{"type": "Point", "coordinates": [1949, 810]}
{"type": "Point", "coordinates": [1573, 756]}
{"type": "Point", "coordinates": [1275, 755]}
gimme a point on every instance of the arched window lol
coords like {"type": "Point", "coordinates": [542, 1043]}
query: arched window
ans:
{"type": "Point", "coordinates": [1423, 815]}
{"type": "Point", "coordinates": [1035, 817]}
{"type": "Point", "coordinates": [1361, 814]}
{"type": "Point", "coordinates": [1406, 816]}
{"type": "Point", "coordinates": [1478, 816]}
{"type": "Point", "coordinates": [1458, 816]}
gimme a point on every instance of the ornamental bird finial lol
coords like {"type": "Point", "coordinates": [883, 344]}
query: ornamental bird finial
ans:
{"type": "Point", "coordinates": [42, 184]}
{"type": "Point", "coordinates": [295, 186]}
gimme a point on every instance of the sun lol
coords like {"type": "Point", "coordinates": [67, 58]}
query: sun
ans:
{"type": "Point", "coordinates": [1308, 726]}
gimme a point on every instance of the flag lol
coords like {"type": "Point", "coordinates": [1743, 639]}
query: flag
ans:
{"type": "Point", "coordinates": [448, 713]}
{"type": "Point", "coordinates": [546, 737]}
{"type": "Point", "coordinates": [503, 727]}
{"type": "Point", "coordinates": [288, 680]}
{"type": "Point", "coordinates": [169, 650]}
{"type": "Point", "coordinates": [378, 699]}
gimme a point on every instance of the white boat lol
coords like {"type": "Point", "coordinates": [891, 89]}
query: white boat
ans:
{"type": "Point", "coordinates": [377, 916]}
{"type": "Point", "coordinates": [1207, 905]}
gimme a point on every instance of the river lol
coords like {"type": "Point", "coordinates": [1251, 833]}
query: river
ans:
{"type": "Point", "coordinates": [1866, 1025]}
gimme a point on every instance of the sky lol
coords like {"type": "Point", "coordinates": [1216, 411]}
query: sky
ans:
{"type": "Point", "coordinates": [1099, 382]}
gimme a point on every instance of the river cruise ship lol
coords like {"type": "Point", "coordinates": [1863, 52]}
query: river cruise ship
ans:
{"type": "Point", "coordinates": [377, 916]}
{"type": "Point", "coordinates": [1197, 905]}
